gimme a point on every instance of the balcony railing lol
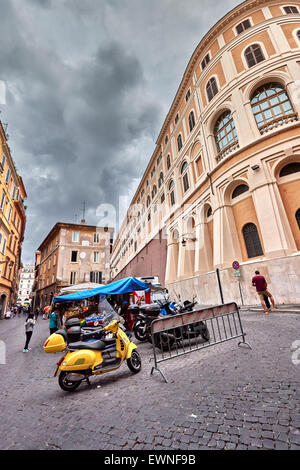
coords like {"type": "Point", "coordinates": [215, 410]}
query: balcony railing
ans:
{"type": "Point", "coordinates": [279, 121]}
{"type": "Point", "coordinates": [228, 149]}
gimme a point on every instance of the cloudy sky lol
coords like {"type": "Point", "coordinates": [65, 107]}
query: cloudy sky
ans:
{"type": "Point", "coordinates": [88, 85]}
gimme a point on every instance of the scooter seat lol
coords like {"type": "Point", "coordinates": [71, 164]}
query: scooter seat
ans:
{"type": "Point", "coordinates": [97, 345]}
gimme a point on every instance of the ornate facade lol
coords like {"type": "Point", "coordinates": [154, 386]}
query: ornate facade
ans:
{"type": "Point", "coordinates": [225, 173]}
{"type": "Point", "coordinates": [12, 225]}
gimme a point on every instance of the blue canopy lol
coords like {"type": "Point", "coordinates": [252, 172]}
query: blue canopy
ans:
{"type": "Point", "coordinates": [129, 284]}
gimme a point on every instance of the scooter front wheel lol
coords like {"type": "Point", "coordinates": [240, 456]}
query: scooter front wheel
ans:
{"type": "Point", "coordinates": [65, 384]}
{"type": "Point", "coordinates": [134, 362]}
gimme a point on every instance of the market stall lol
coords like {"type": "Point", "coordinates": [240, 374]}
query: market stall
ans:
{"type": "Point", "coordinates": [86, 304]}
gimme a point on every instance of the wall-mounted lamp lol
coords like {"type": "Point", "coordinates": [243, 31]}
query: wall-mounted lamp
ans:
{"type": "Point", "coordinates": [255, 167]}
{"type": "Point", "coordinates": [184, 240]}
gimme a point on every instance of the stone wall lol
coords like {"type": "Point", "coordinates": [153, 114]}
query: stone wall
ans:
{"type": "Point", "coordinates": [282, 275]}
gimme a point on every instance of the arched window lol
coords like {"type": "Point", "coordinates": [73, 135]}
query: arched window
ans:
{"type": "Point", "coordinates": [172, 195]}
{"type": "Point", "coordinates": [254, 55]}
{"type": "Point", "coordinates": [179, 142]}
{"type": "Point", "coordinates": [185, 177]}
{"type": "Point", "coordinates": [148, 201]}
{"type": "Point", "coordinates": [242, 188]}
{"type": "Point", "coordinates": [211, 88]}
{"type": "Point", "coordinates": [154, 191]}
{"type": "Point", "coordinates": [225, 132]}
{"type": "Point", "coordinates": [298, 217]}
{"type": "Point", "coordinates": [298, 34]}
{"type": "Point", "coordinates": [209, 212]}
{"type": "Point", "coordinates": [168, 162]}
{"type": "Point", "coordinates": [271, 105]}
{"type": "Point", "coordinates": [290, 168]}
{"type": "Point", "coordinates": [191, 121]}
{"type": "Point", "coordinates": [161, 179]}
{"type": "Point", "coordinates": [252, 241]}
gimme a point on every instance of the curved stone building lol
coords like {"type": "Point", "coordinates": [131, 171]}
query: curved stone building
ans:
{"type": "Point", "coordinates": [224, 180]}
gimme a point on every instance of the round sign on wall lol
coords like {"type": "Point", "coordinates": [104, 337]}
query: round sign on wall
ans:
{"type": "Point", "coordinates": [235, 265]}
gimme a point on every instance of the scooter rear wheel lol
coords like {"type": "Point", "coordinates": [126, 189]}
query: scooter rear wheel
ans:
{"type": "Point", "coordinates": [138, 331]}
{"type": "Point", "coordinates": [67, 385]}
{"type": "Point", "coordinates": [134, 362]}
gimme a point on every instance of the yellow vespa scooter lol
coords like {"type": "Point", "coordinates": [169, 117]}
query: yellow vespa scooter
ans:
{"type": "Point", "coordinates": [85, 359]}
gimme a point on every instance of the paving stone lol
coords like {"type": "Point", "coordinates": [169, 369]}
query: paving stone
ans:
{"type": "Point", "coordinates": [268, 444]}
{"type": "Point", "coordinates": [180, 415]}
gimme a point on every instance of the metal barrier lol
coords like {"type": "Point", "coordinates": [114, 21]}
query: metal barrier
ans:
{"type": "Point", "coordinates": [177, 335]}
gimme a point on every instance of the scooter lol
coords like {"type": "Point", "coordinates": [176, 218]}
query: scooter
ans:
{"type": "Point", "coordinates": [84, 359]}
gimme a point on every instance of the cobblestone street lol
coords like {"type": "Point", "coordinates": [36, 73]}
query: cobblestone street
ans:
{"type": "Point", "coordinates": [223, 397]}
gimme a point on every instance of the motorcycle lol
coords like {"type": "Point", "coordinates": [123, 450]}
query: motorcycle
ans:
{"type": "Point", "coordinates": [86, 356]}
{"type": "Point", "coordinates": [164, 307]}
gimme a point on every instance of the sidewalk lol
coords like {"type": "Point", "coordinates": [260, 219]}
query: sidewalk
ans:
{"type": "Point", "coordinates": [289, 308]}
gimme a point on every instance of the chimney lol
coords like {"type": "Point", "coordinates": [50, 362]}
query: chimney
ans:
{"type": "Point", "coordinates": [82, 221]}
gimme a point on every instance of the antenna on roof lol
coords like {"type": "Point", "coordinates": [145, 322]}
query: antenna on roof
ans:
{"type": "Point", "coordinates": [83, 213]}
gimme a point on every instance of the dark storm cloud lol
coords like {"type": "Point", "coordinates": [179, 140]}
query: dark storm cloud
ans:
{"type": "Point", "coordinates": [88, 85]}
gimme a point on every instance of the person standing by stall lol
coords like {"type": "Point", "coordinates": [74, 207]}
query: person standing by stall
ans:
{"type": "Point", "coordinates": [53, 324]}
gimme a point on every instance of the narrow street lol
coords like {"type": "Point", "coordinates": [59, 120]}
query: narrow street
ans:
{"type": "Point", "coordinates": [223, 397]}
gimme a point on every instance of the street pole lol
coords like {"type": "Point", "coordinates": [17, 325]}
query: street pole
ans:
{"type": "Point", "coordinates": [220, 286]}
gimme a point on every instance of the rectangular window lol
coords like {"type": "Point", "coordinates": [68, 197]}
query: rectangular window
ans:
{"type": "Point", "coordinates": [74, 256]}
{"type": "Point", "coordinates": [2, 199]}
{"type": "Point", "coordinates": [75, 237]}
{"type": "Point", "coordinates": [187, 96]}
{"type": "Point", "coordinates": [73, 277]}
{"type": "Point", "coordinates": [243, 26]}
{"type": "Point", "coordinates": [96, 256]}
{"type": "Point", "coordinates": [7, 176]}
{"type": "Point", "coordinates": [96, 237]}
{"type": "Point", "coordinates": [4, 246]}
{"type": "Point", "coordinates": [96, 276]}
{"type": "Point", "coordinates": [9, 213]}
{"type": "Point", "coordinates": [291, 10]}
{"type": "Point", "coordinates": [3, 162]}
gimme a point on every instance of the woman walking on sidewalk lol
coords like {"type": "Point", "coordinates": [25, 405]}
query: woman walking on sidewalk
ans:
{"type": "Point", "coordinates": [29, 324]}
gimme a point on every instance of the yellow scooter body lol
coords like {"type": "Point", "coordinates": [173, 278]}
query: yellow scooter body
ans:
{"type": "Point", "coordinates": [90, 359]}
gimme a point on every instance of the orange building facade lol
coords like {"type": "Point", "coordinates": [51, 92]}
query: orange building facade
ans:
{"type": "Point", "coordinates": [71, 254]}
{"type": "Point", "coordinates": [224, 179]}
{"type": "Point", "coordinates": [12, 225]}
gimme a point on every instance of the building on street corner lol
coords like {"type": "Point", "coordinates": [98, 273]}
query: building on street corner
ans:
{"type": "Point", "coordinates": [12, 225]}
{"type": "Point", "coordinates": [26, 284]}
{"type": "Point", "coordinates": [223, 183]}
{"type": "Point", "coordinates": [71, 254]}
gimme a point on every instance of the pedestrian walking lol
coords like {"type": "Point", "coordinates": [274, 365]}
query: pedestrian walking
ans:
{"type": "Point", "coordinates": [29, 324]}
{"type": "Point", "coordinates": [260, 283]}
{"type": "Point", "coordinates": [53, 322]}
{"type": "Point", "coordinates": [36, 314]}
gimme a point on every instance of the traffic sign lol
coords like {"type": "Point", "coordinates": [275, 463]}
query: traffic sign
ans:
{"type": "Point", "coordinates": [236, 265]}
